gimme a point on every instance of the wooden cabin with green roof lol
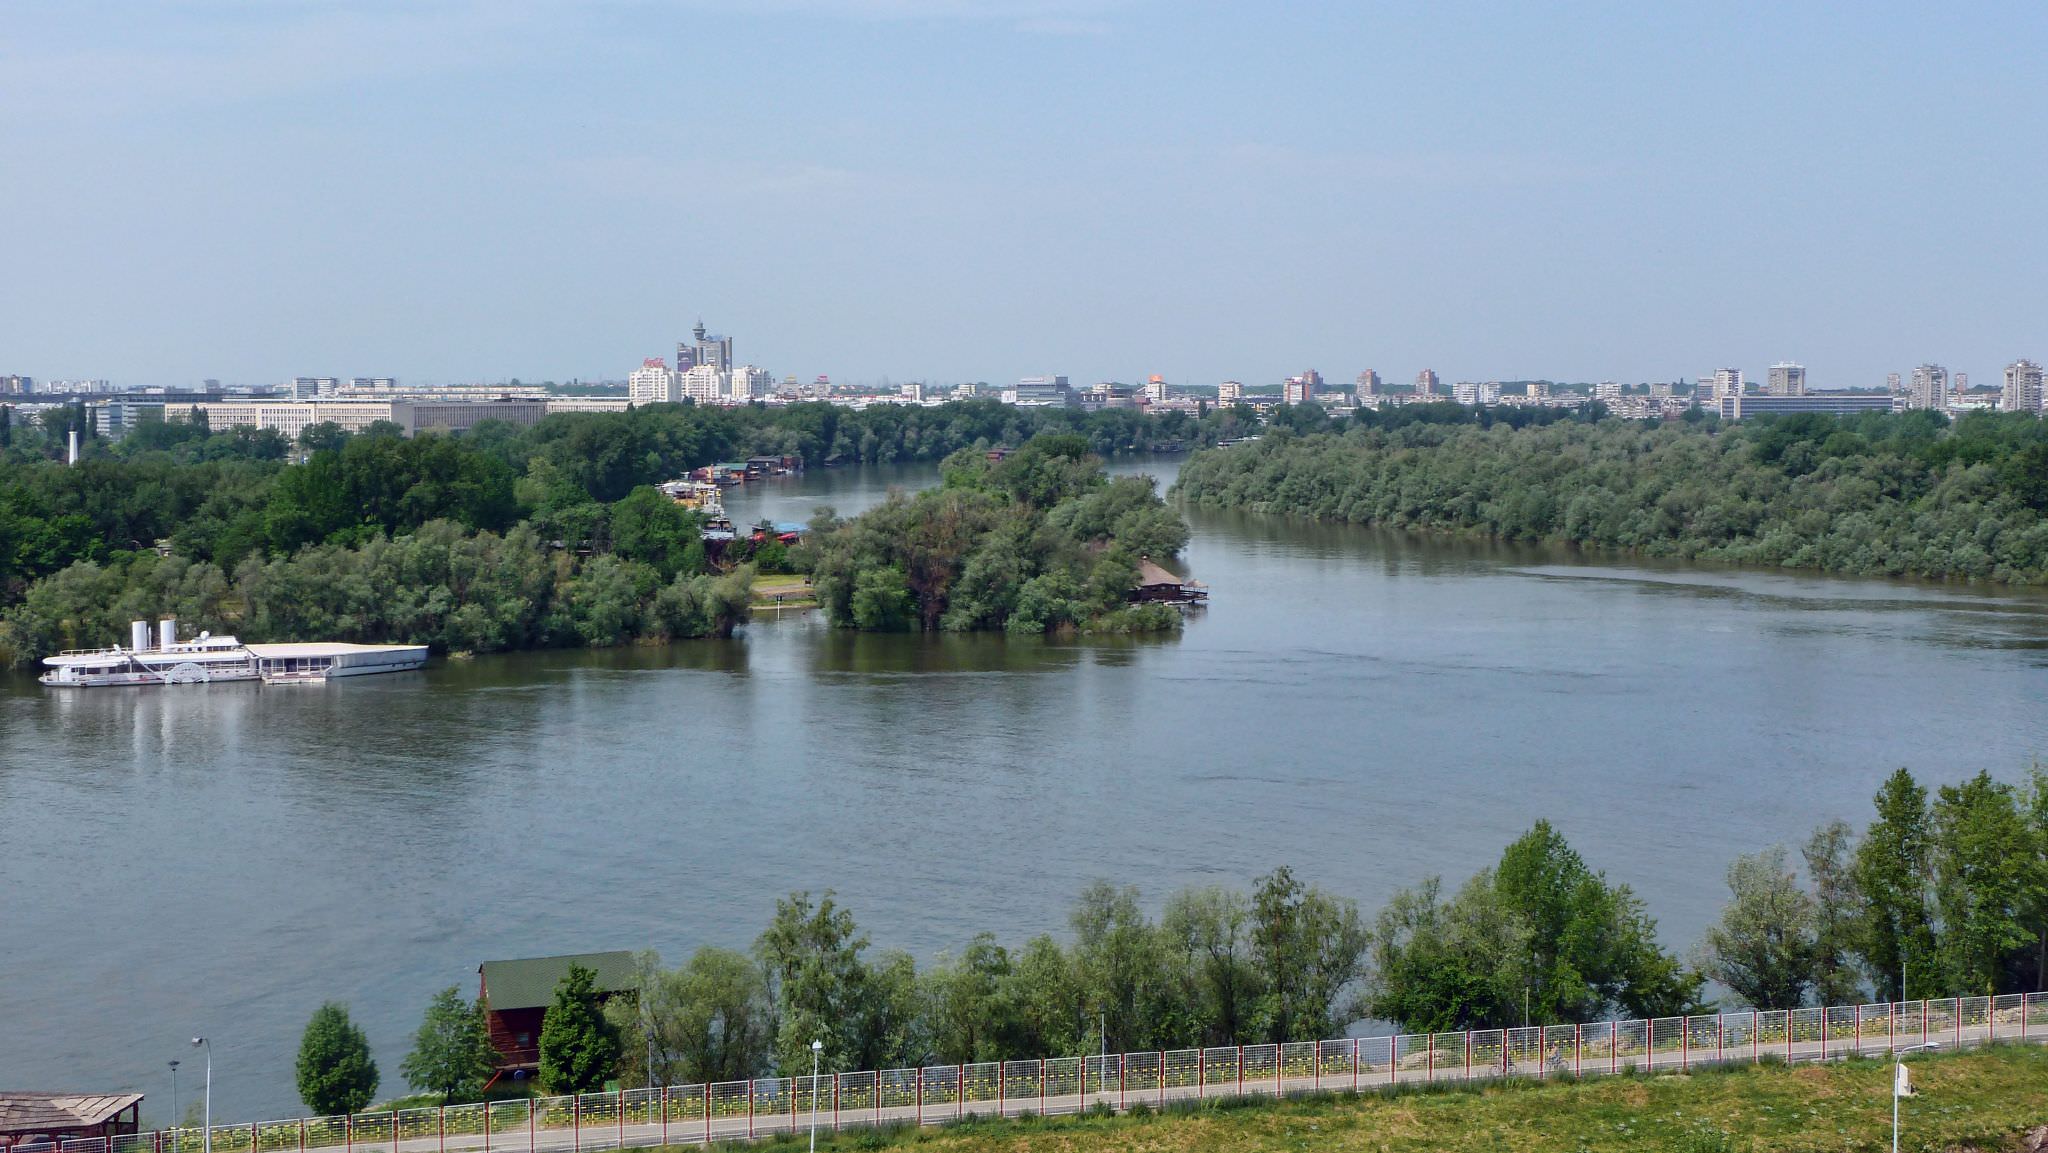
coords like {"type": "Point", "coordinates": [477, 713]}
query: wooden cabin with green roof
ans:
{"type": "Point", "coordinates": [516, 995]}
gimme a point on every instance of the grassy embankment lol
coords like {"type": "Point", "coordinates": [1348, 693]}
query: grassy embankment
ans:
{"type": "Point", "coordinates": [1980, 1100]}
{"type": "Point", "coordinates": [785, 592]}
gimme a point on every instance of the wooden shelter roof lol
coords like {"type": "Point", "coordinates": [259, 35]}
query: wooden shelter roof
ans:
{"type": "Point", "coordinates": [1151, 575]}
{"type": "Point", "coordinates": [51, 1112]}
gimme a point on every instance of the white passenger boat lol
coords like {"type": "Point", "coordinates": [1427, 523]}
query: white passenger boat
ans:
{"type": "Point", "coordinates": [209, 659]}
{"type": "Point", "coordinates": [168, 662]}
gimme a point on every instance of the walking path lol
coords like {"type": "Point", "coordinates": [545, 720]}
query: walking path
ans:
{"type": "Point", "coordinates": [740, 1110]}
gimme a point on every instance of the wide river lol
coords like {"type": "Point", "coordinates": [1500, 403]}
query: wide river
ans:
{"type": "Point", "coordinates": [1367, 708]}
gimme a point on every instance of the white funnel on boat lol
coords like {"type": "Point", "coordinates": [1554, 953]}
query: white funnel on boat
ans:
{"type": "Point", "coordinates": [138, 636]}
{"type": "Point", "coordinates": [167, 632]}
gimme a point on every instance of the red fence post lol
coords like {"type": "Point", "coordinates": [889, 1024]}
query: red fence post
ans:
{"type": "Point", "coordinates": [707, 1114]}
{"type": "Point", "coordinates": [664, 1114]}
{"type": "Point", "coordinates": [750, 1108]}
{"type": "Point", "coordinates": [835, 1098]}
{"type": "Point", "coordinates": [1240, 1070]}
{"type": "Point", "coordinates": [1959, 1023]}
{"type": "Point", "coordinates": [576, 1121]}
{"type": "Point", "coordinates": [1123, 1077]}
{"type": "Point", "coordinates": [531, 1139]}
{"type": "Point", "coordinates": [920, 1096]}
{"type": "Point", "coordinates": [1041, 1086]}
{"type": "Point", "coordinates": [1613, 1047]}
{"type": "Point", "coordinates": [1201, 1073]}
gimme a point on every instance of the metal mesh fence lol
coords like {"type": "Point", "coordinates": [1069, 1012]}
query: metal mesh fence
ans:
{"type": "Point", "coordinates": [740, 1110]}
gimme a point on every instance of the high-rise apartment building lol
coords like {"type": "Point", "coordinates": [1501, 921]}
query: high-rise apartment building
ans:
{"type": "Point", "coordinates": [13, 385]}
{"type": "Point", "coordinates": [1368, 383]}
{"type": "Point", "coordinates": [1155, 390]}
{"type": "Point", "coordinates": [310, 387]}
{"type": "Point", "coordinates": [1041, 392]}
{"type": "Point", "coordinates": [2022, 387]}
{"type": "Point", "coordinates": [1891, 383]}
{"type": "Point", "coordinates": [651, 383]}
{"type": "Point", "coordinates": [712, 351]}
{"type": "Point", "coordinates": [701, 383]}
{"type": "Point", "coordinates": [1725, 382]}
{"type": "Point", "coordinates": [751, 383]}
{"type": "Point", "coordinates": [1301, 389]}
{"type": "Point", "coordinates": [1786, 379]}
{"type": "Point", "coordinates": [1426, 382]}
{"type": "Point", "coordinates": [1229, 392]}
{"type": "Point", "coordinates": [1929, 388]}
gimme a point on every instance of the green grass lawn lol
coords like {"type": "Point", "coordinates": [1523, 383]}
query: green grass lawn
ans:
{"type": "Point", "coordinates": [1979, 1100]}
{"type": "Point", "coordinates": [792, 590]}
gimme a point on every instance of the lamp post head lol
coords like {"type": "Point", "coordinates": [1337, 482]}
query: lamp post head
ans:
{"type": "Point", "coordinates": [174, 1063]}
{"type": "Point", "coordinates": [197, 1041]}
{"type": "Point", "coordinates": [817, 1046]}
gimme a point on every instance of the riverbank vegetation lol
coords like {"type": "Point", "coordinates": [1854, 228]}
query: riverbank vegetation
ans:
{"type": "Point", "coordinates": [1946, 890]}
{"type": "Point", "coordinates": [1038, 541]}
{"type": "Point", "coordinates": [1895, 495]}
{"type": "Point", "coordinates": [1981, 1101]}
{"type": "Point", "coordinates": [500, 538]}
{"type": "Point", "coordinates": [1953, 884]}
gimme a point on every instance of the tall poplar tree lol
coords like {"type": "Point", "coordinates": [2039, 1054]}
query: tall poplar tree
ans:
{"type": "Point", "coordinates": [1983, 864]}
{"type": "Point", "coordinates": [1891, 872]}
{"type": "Point", "coordinates": [579, 1048]}
{"type": "Point", "coordinates": [1829, 855]}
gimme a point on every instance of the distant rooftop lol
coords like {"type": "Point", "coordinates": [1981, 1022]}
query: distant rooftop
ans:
{"type": "Point", "coordinates": [530, 983]}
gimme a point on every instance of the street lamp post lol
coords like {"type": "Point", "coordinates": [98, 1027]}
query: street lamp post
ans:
{"type": "Point", "coordinates": [817, 1047]}
{"type": "Point", "coordinates": [173, 1126]}
{"type": "Point", "coordinates": [206, 1124]}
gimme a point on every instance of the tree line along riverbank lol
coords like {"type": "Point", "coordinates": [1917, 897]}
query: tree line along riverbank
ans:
{"type": "Point", "coordinates": [1945, 890]}
{"type": "Point", "coordinates": [1909, 494]}
{"type": "Point", "coordinates": [500, 538]}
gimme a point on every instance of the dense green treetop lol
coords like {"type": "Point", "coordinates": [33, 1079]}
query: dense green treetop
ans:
{"type": "Point", "coordinates": [1039, 541]}
{"type": "Point", "coordinates": [548, 535]}
{"type": "Point", "coordinates": [1903, 495]}
{"type": "Point", "coordinates": [335, 1072]}
{"type": "Point", "coordinates": [452, 1055]}
{"type": "Point", "coordinates": [579, 1045]}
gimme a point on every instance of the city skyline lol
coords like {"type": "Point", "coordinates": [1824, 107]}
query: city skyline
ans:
{"type": "Point", "coordinates": [948, 190]}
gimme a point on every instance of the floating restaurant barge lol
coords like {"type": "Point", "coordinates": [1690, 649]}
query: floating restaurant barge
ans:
{"type": "Point", "coordinates": [209, 659]}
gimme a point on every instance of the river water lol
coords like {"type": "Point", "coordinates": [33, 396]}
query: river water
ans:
{"type": "Point", "coordinates": [1368, 708]}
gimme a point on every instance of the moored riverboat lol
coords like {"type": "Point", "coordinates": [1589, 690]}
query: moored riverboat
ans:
{"type": "Point", "coordinates": [165, 660]}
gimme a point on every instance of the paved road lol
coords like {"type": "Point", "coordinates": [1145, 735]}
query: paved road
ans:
{"type": "Point", "coordinates": [422, 1131]}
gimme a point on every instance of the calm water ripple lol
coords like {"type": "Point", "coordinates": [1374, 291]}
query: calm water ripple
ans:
{"type": "Point", "coordinates": [1366, 707]}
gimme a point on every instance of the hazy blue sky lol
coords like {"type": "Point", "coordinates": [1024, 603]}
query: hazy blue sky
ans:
{"type": "Point", "coordinates": [950, 189]}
